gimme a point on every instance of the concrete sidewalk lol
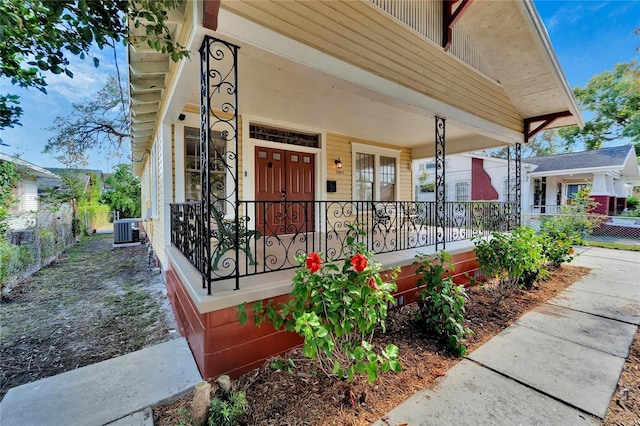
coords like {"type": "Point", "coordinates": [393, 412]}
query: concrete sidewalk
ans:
{"type": "Point", "coordinates": [558, 365]}
{"type": "Point", "coordinates": [110, 392]}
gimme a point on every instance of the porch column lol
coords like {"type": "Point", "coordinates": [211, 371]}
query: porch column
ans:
{"type": "Point", "coordinates": [518, 185]}
{"type": "Point", "coordinates": [514, 186]}
{"type": "Point", "coordinates": [601, 191]}
{"type": "Point", "coordinates": [218, 150]}
{"type": "Point", "coordinates": [440, 182]}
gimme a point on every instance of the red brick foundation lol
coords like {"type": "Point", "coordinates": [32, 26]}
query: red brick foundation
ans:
{"type": "Point", "coordinates": [220, 345]}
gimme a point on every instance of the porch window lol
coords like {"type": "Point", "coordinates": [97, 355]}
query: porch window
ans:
{"type": "Point", "coordinates": [193, 191]}
{"type": "Point", "coordinates": [573, 189]}
{"type": "Point", "coordinates": [387, 178]}
{"type": "Point", "coordinates": [462, 191]}
{"type": "Point", "coordinates": [364, 177]}
{"type": "Point", "coordinates": [375, 176]}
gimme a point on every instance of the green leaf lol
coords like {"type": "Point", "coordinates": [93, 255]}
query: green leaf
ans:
{"type": "Point", "coordinates": [391, 351]}
{"type": "Point", "coordinates": [395, 365]}
{"type": "Point", "coordinates": [242, 313]}
{"type": "Point", "coordinates": [373, 372]}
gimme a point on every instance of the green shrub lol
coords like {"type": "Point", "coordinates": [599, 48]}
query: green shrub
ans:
{"type": "Point", "coordinates": [441, 302]}
{"type": "Point", "coordinates": [228, 412]}
{"type": "Point", "coordinates": [557, 248]}
{"type": "Point", "coordinates": [633, 203]}
{"type": "Point", "coordinates": [631, 213]}
{"type": "Point", "coordinates": [506, 258]}
{"type": "Point", "coordinates": [14, 260]}
{"type": "Point", "coordinates": [576, 219]}
{"type": "Point", "coordinates": [336, 310]}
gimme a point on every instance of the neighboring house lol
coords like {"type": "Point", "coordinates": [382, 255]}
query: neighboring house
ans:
{"type": "Point", "coordinates": [547, 183]}
{"type": "Point", "coordinates": [300, 118]}
{"type": "Point", "coordinates": [89, 178]}
{"type": "Point", "coordinates": [471, 177]}
{"type": "Point", "coordinates": [25, 194]}
{"type": "Point", "coordinates": [610, 172]}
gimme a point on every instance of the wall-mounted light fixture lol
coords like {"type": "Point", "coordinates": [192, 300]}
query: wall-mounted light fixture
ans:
{"type": "Point", "coordinates": [181, 117]}
{"type": "Point", "coordinates": [338, 166]}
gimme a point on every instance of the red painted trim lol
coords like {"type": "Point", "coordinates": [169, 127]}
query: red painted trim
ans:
{"type": "Point", "coordinates": [211, 10]}
{"type": "Point", "coordinates": [546, 119]}
{"type": "Point", "coordinates": [450, 18]}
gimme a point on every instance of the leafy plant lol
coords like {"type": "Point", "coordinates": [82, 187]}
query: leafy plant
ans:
{"type": "Point", "coordinates": [228, 412]}
{"type": "Point", "coordinates": [124, 193]}
{"type": "Point", "coordinates": [14, 260]}
{"type": "Point", "coordinates": [575, 220]}
{"type": "Point", "coordinates": [557, 248]}
{"type": "Point", "coordinates": [286, 365]}
{"type": "Point", "coordinates": [633, 203]}
{"type": "Point", "coordinates": [39, 36]}
{"type": "Point", "coordinates": [507, 257]}
{"type": "Point", "coordinates": [441, 302]}
{"type": "Point", "coordinates": [8, 178]}
{"type": "Point", "coordinates": [336, 308]}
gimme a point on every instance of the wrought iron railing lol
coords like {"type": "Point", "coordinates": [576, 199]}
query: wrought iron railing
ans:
{"type": "Point", "coordinates": [272, 233]}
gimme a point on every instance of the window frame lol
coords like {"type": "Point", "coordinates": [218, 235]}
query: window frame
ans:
{"type": "Point", "coordinates": [467, 190]}
{"type": "Point", "coordinates": [377, 152]}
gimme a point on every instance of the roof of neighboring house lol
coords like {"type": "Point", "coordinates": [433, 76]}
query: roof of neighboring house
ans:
{"type": "Point", "coordinates": [614, 157]}
{"type": "Point", "coordinates": [82, 174]}
{"type": "Point", "coordinates": [29, 168]}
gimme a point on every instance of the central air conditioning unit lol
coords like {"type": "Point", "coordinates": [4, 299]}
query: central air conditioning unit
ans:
{"type": "Point", "coordinates": [126, 232]}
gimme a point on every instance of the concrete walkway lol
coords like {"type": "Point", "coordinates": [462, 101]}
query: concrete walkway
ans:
{"type": "Point", "coordinates": [558, 365]}
{"type": "Point", "coordinates": [116, 391]}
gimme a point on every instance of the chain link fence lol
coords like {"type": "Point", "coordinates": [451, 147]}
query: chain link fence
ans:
{"type": "Point", "coordinates": [32, 241]}
{"type": "Point", "coordinates": [615, 229]}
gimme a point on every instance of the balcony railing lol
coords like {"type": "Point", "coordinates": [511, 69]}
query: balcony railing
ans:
{"type": "Point", "coordinates": [270, 234]}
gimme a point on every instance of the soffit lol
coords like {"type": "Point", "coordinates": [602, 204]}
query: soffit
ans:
{"type": "Point", "coordinates": [512, 39]}
{"type": "Point", "coordinates": [148, 80]}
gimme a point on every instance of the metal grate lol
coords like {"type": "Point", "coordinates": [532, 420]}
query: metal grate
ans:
{"type": "Point", "coordinates": [274, 134]}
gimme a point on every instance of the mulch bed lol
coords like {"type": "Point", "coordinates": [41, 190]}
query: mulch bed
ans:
{"type": "Point", "coordinates": [306, 396]}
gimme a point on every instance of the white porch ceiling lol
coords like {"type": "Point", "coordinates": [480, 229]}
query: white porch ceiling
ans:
{"type": "Point", "coordinates": [280, 90]}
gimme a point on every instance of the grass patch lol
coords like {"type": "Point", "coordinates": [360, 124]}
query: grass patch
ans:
{"type": "Point", "coordinates": [611, 245]}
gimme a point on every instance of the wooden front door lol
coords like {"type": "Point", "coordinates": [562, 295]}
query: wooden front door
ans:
{"type": "Point", "coordinates": [285, 189]}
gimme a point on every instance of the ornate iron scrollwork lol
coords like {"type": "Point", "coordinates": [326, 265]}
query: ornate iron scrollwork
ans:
{"type": "Point", "coordinates": [440, 182]}
{"type": "Point", "coordinates": [218, 150]}
{"type": "Point", "coordinates": [517, 209]}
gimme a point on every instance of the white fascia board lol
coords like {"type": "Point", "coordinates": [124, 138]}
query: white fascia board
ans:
{"type": "Point", "coordinates": [249, 32]}
{"type": "Point", "coordinates": [545, 42]}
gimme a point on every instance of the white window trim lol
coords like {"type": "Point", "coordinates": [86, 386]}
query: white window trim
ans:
{"type": "Point", "coordinates": [377, 152]}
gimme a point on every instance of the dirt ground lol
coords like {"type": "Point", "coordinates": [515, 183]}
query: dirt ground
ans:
{"type": "Point", "coordinates": [94, 303]}
{"type": "Point", "coordinates": [304, 397]}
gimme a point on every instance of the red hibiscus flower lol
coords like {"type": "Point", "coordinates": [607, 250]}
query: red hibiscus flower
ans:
{"type": "Point", "coordinates": [313, 262]}
{"type": "Point", "coordinates": [372, 283]}
{"type": "Point", "coordinates": [359, 262]}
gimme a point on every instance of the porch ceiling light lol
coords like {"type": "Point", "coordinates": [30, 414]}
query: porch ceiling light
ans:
{"type": "Point", "coordinates": [338, 166]}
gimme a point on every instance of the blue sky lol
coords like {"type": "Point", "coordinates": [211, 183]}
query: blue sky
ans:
{"type": "Point", "coordinates": [588, 37]}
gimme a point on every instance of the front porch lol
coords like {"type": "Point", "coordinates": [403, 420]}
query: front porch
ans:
{"type": "Point", "coordinates": [221, 345]}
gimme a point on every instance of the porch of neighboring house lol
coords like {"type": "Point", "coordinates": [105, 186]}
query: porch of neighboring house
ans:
{"type": "Point", "coordinates": [241, 176]}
